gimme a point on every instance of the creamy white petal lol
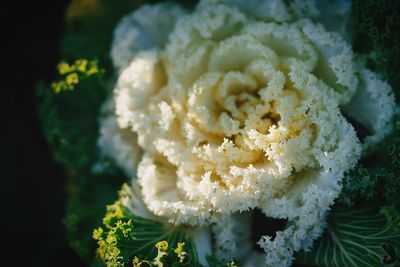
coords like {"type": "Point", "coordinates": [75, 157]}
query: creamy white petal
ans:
{"type": "Point", "coordinates": [373, 106]}
{"type": "Point", "coordinates": [148, 27]}
{"type": "Point", "coordinates": [336, 64]}
{"type": "Point", "coordinates": [116, 143]}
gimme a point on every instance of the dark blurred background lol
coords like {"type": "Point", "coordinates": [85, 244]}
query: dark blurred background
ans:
{"type": "Point", "coordinates": [32, 186]}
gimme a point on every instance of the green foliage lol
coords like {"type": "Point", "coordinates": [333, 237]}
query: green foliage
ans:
{"type": "Point", "coordinates": [357, 236]}
{"type": "Point", "coordinates": [360, 182]}
{"type": "Point", "coordinates": [381, 183]}
{"type": "Point", "coordinates": [379, 23]}
{"type": "Point", "coordinates": [213, 262]}
{"type": "Point", "coordinates": [394, 152]}
{"type": "Point", "coordinates": [86, 209]}
{"type": "Point", "coordinates": [69, 111]}
{"type": "Point", "coordinates": [70, 117]}
{"type": "Point", "coordinates": [125, 239]}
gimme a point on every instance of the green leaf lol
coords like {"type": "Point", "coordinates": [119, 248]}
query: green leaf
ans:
{"type": "Point", "coordinates": [125, 236]}
{"type": "Point", "coordinates": [378, 25]}
{"type": "Point", "coordinates": [147, 233]}
{"type": "Point", "coordinates": [70, 121]}
{"type": "Point", "coordinates": [213, 262]}
{"type": "Point", "coordinates": [381, 183]}
{"type": "Point", "coordinates": [85, 212]}
{"type": "Point", "coordinates": [357, 236]}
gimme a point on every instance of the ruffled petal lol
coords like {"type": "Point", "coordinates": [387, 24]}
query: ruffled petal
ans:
{"type": "Point", "coordinates": [373, 106]}
{"type": "Point", "coordinates": [336, 65]}
{"type": "Point", "coordinates": [116, 143]}
{"type": "Point", "coordinates": [146, 28]}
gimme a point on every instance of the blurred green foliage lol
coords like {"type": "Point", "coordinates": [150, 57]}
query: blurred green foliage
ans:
{"type": "Point", "coordinates": [378, 23]}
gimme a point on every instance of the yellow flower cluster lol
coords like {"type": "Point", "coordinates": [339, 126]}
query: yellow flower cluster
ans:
{"type": "Point", "coordinates": [72, 73]}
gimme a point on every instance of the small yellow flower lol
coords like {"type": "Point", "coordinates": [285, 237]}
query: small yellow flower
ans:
{"type": "Point", "coordinates": [57, 87]}
{"type": "Point", "coordinates": [64, 68]}
{"type": "Point", "coordinates": [93, 70]}
{"type": "Point", "coordinates": [136, 262]}
{"type": "Point", "coordinates": [162, 245]}
{"type": "Point", "coordinates": [113, 211]}
{"type": "Point", "coordinates": [81, 65]}
{"type": "Point", "coordinates": [97, 233]}
{"type": "Point", "coordinates": [72, 79]}
{"type": "Point", "coordinates": [179, 251]}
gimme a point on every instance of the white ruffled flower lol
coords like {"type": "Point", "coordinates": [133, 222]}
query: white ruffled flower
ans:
{"type": "Point", "coordinates": [236, 106]}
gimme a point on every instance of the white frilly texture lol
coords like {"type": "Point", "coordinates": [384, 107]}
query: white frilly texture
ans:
{"type": "Point", "coordinates": [240, 105]}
